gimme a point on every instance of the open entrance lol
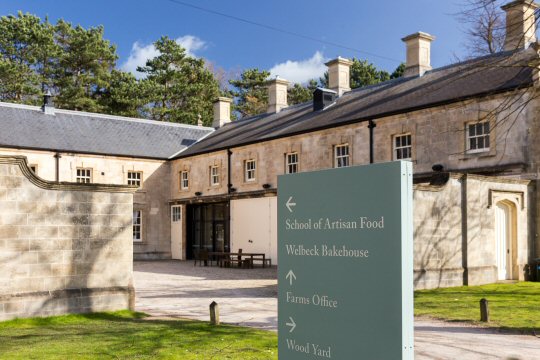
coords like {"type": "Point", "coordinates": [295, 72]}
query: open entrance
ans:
{"type": "Point", "coordinates": [506, 239]}
{"type": "Point", "coordinates": [207, 228]}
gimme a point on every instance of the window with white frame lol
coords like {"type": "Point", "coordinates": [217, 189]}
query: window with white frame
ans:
{"type": "Point", "coordinates": [84, 175]}
{"type": "Point", "coordinates": [403, 147]}
{"type": "Point", "coordinates": [250, 168]}
{"type": "Point", "coordinates": [184, 180]}
{"type": "Point", "coordinates": [341, 155]}
{"type": "Point", "coordinates": [291, 163]}
{"type": "Point", "coordinates": [478, 136]}
{"type": "Point", "coordinates": [137, 225]}
{"type": "Point", "coordinates": [134, 178]}
{"type": "Point", "coordinates": [214, 175]}
{"type": "Point", "coordinates": [176, 213]}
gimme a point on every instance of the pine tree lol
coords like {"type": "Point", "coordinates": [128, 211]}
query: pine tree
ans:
{"type": "Point", "coordinates": [27, 56]}
{"type": "Point", "coordinates": [180, 87]}
{"type": "Point", "coordinates": [299, 94]}
{"type": "Point", "coordinates": [125, 95]}
{"type": "Point", "coordinates": [84, 67]}
{"type": "Point", "coordinates": [251, 92]}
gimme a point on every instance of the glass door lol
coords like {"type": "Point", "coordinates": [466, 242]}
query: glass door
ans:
{"type": "Point", "coordinates": [207, 228]}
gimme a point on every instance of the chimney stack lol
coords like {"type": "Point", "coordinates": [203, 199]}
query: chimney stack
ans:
{"type": "Point", "coordinates": [339, 78]}
{"type": "Point", "coordinates": [418, 53]}
{"type": "Point", "coordinates": [277, 94]}
{"type": "Point", "coordinates": [222, 112]}
{"type": "Point", "coordinates": [48, 106]}
{"type": "Point", "coordinates": [520, 24]}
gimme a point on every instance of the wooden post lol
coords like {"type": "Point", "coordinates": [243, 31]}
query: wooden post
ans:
{"type": "Point", "coordinates": [484, 310]}
{"type": "Point", "coordinates": [214, 313]}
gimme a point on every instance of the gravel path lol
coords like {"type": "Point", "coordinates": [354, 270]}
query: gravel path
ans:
{"type": "Point", "coordinates": [248, 297]}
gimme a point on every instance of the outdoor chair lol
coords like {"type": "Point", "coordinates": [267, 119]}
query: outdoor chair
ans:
{"type": "Point", "coordinates": [201, 256]}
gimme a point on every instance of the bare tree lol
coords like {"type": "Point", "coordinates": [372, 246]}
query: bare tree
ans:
{"type": "Point", "coordinates": [484, 26]}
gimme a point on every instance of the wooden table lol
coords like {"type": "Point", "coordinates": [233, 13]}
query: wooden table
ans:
{"type": "Point", "coordinates": [228, 257]}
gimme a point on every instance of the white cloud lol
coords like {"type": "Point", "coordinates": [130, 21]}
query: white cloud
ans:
{"type": "Point", "coordinates": [140, 53]}
{"type": "Point", "coordinates": [301, 71]}
{"type": "Point", "coordinates": [191, 44]}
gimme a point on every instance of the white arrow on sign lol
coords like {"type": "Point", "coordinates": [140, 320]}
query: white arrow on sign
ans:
{"type": "Point", "coordinates": [290, 276]}
{"type": "Point", "coordinates": [289, 204]}
{"type": "Point", "coordinates": [292, 324]}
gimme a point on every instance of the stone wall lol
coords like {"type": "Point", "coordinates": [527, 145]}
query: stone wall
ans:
{"type": "Point", "coordinates": [455, 230]}
{"type": "Point", "coordinates": [64, 247]}
{"type": "Point", "coordinates": [437, 235]}
{"type": "Point", "coordinates": [152, 198]}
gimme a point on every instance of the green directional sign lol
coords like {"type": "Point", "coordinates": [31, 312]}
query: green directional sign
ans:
{"type": "Point", "coordinates": [346, 263]}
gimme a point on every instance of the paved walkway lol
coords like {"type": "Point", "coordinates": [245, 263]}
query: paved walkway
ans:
{"type": "Point", "coordinates": [442, 340]}
{"type": "Point", "coordinates": [248, 297]}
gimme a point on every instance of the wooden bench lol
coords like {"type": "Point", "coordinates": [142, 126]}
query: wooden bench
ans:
{"type": "Point", "coordinates": [233, 259]}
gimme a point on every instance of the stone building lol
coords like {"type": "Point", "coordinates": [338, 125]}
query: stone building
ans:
{"type": "Point", "coordinates": [73, 146]}
{"type": "Point", "coordinates": [469, 128]}
{"type": "Point", "coordinates": [474, 123]}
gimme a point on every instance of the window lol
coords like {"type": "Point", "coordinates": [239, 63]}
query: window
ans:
{"type": "Point", "coordinates": [134, 178]}
{"type": "Point", "coordinates": [214, 175]}
{"type": "Point", "coordinates": [137, 225]}
{"type": "Point", "coordinates": [250, 168]}
{"type": "Point", "coordinates": [184, 180]}
{"type": "Point", "coordinates": [291, 163]}
{"type": "Point", "coordinates": [403, 147]}
{"type": "Point", "coordinates": [341, 155]}
{"type": "Point", "coordinates": [33, 168]}
{"type": "Point", "coordinates": [176, 213]}
{"type": "Point", "coordinates": [84, 175]}
{"type": "Point", "coordinates": [478, 136]}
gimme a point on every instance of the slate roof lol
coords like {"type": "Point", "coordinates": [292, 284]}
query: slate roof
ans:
{"type": "Point", "coordinates": [28, 127]}
{"type": "Point", "coordinates": [478, 77]}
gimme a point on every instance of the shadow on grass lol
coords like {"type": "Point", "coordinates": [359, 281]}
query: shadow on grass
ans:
{"type": "Point", "coordinates": [126, 334]}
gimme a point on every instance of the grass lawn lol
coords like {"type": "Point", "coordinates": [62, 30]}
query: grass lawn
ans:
{"type": "Point", "coordinates": [511, 306]}
{"type": "Point", "coordinates": [126, 335]}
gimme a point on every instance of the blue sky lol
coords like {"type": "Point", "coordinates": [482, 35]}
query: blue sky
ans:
{"type": "Point", "coordinates": [373, 27]}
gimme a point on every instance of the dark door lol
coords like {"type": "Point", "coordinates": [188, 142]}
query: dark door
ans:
{"type": "Point", "coordinates": [207, 228]}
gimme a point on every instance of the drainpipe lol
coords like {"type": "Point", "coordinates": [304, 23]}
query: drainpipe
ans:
{"type": "Point", "coordinates": [371, 126]}
{"type": "Point", "coordinates": [229, 185]}
{"type": "Point", "coordinates": [464, 231]}
{"type": "Point", "coordinates": [57, 157]}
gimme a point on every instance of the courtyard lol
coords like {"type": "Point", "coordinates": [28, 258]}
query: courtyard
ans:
{"type": "Point", "coordinates": [248, 297]}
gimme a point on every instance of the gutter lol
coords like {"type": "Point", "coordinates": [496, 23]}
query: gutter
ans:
{"type": "Point", "coordinates": [65, 151]}
{"type": "Point", "coordinates": [224, 197]}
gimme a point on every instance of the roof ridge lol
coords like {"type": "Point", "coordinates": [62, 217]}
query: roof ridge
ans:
{"type": "Point", "coordinates": [106, 116]}
{"type": "Point", "coordinates": [267, 114]}
{"type": "Point", "coordinates": [441, 68]}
